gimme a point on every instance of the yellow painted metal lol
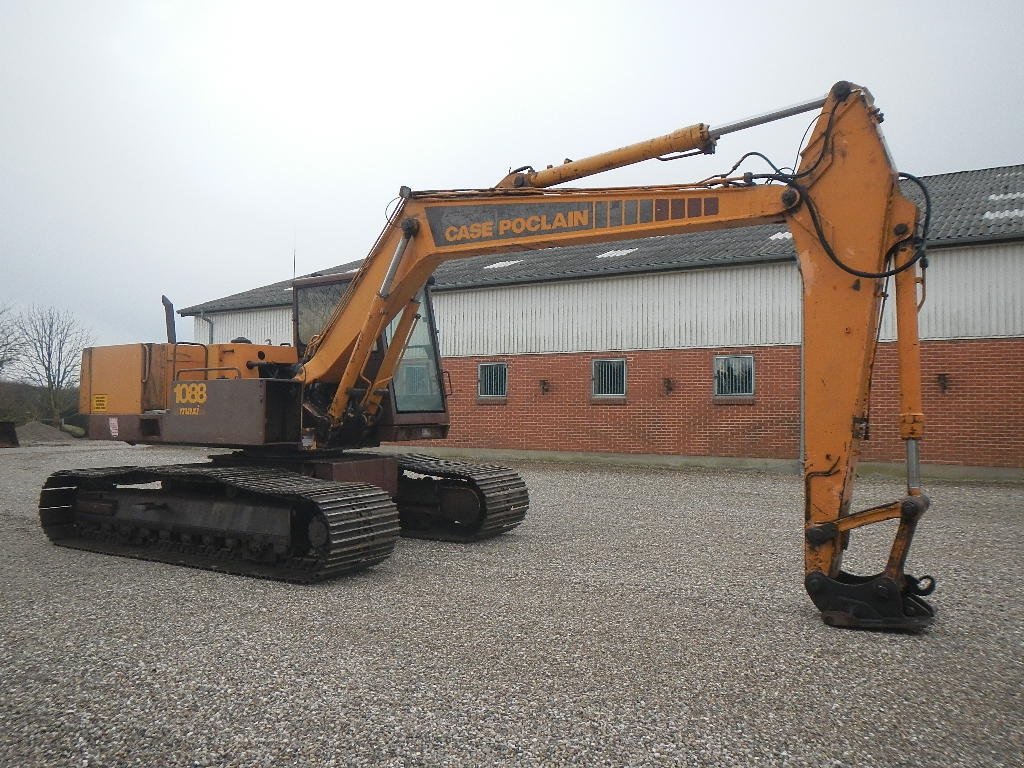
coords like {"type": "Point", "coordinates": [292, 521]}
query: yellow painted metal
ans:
{"type": "Point", "coordinates": [112, 376]}
{"type": "Point", "coordinates": [396, 346]}
{"type": "Point", "coordinates": [693, 137]}
{"type": "Point", "coordinates": [864, 517]}
{"type": "Point", "coordinates": [909, 351]}
{"type": "Point", "coordinates": [130, 379]}
{"type": "Point", "coordinates": [236, 357]}
{"type": "Point", "coordinates": [854, 188]}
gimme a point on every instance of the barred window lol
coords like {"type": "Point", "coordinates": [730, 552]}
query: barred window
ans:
{"type": "Point", "coordinates": [609, 378]}
{"type": "Point", "coordinates": [492, 380]}
{"type": "Point", "coordinates": [734, 375]}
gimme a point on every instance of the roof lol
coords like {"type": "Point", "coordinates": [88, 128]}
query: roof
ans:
{"type": "Point", "coordinates": [273, 295]}
{"type": "Point", "coordinates": [968, 207]}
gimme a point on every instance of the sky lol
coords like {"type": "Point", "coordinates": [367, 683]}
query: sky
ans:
{"type": "Point", "coordinates": [192, 148]}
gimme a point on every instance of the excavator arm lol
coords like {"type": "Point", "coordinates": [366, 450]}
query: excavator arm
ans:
{"type": "Point", "coordinates": [853, 230]}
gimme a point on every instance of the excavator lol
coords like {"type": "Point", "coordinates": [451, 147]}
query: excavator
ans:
{"type": "Point", "coordinates": [294, 500]}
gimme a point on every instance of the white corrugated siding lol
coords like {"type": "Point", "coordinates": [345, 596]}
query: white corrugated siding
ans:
{"type": "Point", "coordinates": [975, 293]}
{"type": "Point", "coordinates": [972, 293]}
{"type": "Point", "coordinates": [257, 325]}
{"type": "Point", "coordinates": [700, 308]}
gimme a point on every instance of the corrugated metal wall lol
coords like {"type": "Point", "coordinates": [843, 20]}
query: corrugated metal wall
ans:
{"type": "Point", "coordinates": [975, 293]}
{"type": "Point", "coordinates": [698, 308]}
{"type": "Point", "coordinates": [972, 293]}
{"type": "Point", "coordinates": [257, 325]}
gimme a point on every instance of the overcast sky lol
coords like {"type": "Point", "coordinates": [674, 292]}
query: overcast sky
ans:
{"type": "Point", "coordinates": [186, 147]}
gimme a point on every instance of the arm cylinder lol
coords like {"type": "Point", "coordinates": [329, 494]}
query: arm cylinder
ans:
{"type": "Point", "coordinates": [749, 122]}
{"type": "Point", "coordinates": [697, 137]}
{"type": "Point", "coordinates": [683, 140]}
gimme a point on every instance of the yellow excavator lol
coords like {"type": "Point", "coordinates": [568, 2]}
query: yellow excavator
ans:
{"type": "Point", "coordinates": [293, 501]}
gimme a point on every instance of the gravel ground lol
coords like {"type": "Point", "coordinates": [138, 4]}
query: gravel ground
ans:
{"type": "Point", "coordinates": [638, 617]}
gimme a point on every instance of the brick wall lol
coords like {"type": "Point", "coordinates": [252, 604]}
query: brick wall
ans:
{"type": "Point", "coordinates": [977, 420]}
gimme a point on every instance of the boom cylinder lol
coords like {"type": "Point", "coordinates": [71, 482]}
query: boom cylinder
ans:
{"type": "Point", "coordinates": [698, 137]}
{"type": "Point", "coordinates": [683, 140]}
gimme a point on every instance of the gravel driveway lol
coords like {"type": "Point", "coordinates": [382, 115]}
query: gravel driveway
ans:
{"type": "Point", "coordinates": [638, 617]}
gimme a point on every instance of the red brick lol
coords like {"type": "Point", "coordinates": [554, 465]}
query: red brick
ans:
{"type": "Point", "coordinates": [978, 420]}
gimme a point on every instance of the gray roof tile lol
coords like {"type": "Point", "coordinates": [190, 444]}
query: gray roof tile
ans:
{"type": "Point", "coordinates": [273, 295]}
{"type": "Point", "coordinates": [967, 207]}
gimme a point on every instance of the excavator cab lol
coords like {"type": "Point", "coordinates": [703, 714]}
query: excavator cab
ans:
{"type": "Point", "coordinates": [415, 407]}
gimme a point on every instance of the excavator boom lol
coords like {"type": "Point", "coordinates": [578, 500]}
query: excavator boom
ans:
{"type": "Point", "coordinates": [853, 230]}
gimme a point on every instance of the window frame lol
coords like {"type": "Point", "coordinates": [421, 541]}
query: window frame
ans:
{"type": "Point", "coordinates": [480, 380]}
{"type": "Point", "coordinates": [733, 396]}
{"type": "Point", "coordinates": [605, 396]}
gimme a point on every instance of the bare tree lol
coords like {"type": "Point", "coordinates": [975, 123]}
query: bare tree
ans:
{"type": "Point", "coordinates": [52, 343]}
{"type": "Point", "coordinates": [10, 338]}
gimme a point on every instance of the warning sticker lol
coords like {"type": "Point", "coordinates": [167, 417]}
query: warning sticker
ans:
{"type": "Point", "coordinates": [112, 423]}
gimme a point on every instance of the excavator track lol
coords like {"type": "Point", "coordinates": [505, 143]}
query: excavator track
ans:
{"type": "Point", "coordinates": [253, 521]}
{"type": "Point", "coordinates": [457, 501]}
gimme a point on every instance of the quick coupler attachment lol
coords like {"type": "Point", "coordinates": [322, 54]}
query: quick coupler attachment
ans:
{"type": "Point", "coordinates": [872, 602]}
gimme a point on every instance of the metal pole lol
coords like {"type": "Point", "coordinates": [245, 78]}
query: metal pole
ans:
{"type": "Point", "coordinates": [913, 467]}
{"type": "Point", "coordinates": [385, 287]}
{"type": "Point", "coordinates": [767, 117]}
{"type": "Point", "coordinates": [410, 227]}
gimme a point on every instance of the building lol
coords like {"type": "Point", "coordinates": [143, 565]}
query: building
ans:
{"type": "Point", "coordinates": [690, 344]}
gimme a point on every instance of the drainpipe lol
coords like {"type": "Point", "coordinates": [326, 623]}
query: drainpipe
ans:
{"type": "Point", "coordinates": [209, 322]}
